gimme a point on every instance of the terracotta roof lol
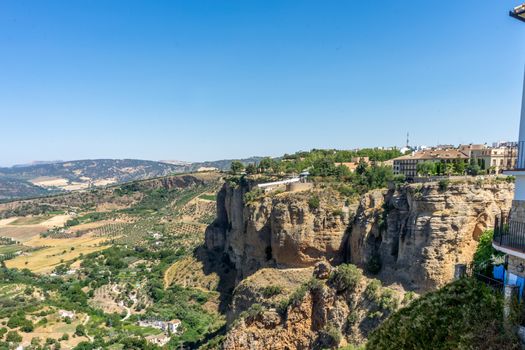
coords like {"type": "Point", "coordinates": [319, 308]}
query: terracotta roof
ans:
{"type": "Point", "coordinates": [435, 154]}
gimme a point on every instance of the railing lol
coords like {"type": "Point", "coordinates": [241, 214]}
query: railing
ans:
{"type": "Point", "coordinates": [494, 284]}
{"type": "Point", "coordinates": [509, 234]}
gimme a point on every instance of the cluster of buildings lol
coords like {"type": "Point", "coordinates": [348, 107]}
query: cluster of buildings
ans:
{"type": "Point", "coordinates": [492, 159]}
{"type": "Point", "coordinates": [168, 327]}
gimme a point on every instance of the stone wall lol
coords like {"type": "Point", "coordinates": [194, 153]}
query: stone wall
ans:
{"type": "Point", "coordinates": [517, 212]}
{"type": "Point", "coordinates": [515, 265]}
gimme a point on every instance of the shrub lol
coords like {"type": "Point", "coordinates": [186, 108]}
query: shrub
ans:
{"type": "Point", "coordinates": [338, 212]}
{"type": "Point", "coordinates": [253, 312]}
{"type": "Point", "coordinates": [352, 318]}
{"type": "Point", "coordinates": [253, 195]}
{"type": "Point", "coordinates": [298, 295]}
{"type": "Point", "coordinates": [485, 254]}
{"type": "Point", "coordinates": [72, 222]}
{"type": "Point", "coordinates": [374, 264]}
{"type": "Point", "coordinates": [271, 291]}
{"type": "Point", "coordinates": [80, 330]}
{"type": "Point", "coordinates": [375, 315]}
{"type": "Point", "coordinates": [372, 290]}
{"type": "Point", "coordinates": [27, 327]}
{"type": "Point", "coordinates": [444, 184]}
{"type": "Point", "coordinates": [330, 337]}
{"type": "Point", "coordinates": [314, 202]}
{"type": "Point", "coordinates": [345, 277]}
{"type": "Point", "coordinates": [463, 315]}
{"type": "Point", "coordinates": [388, 300]}
{"type": "Point", "coordinates": [353, 347]}
{"type": "Point", "coordinates": [13, 337]}
{"type": "Point", "coordinates": [314, 285]}
{"type": "Point", "coordinates": [408, 297]}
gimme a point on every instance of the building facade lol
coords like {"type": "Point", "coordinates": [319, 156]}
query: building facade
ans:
{"type": "Point", "coordinates": [408, 165]}
{"type": "Point", "coordinates": [495, 160]}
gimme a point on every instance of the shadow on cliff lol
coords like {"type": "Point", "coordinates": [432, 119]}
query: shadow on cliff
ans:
{"type": "Point", "coordinates": [217, 263]}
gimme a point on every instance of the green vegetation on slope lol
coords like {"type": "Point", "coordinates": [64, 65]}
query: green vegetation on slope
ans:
{"type": "Point", "coordinates": [486, 256]}
{"type": "Point", "coordinates": [463, 315]}
{"type": "Point", "coordinates": [147, 236]}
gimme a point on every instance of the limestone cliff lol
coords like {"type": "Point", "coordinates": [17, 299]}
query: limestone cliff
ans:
{"type": "Point", "coordinates": [323, 313]}
{"type": "Point", "coordinates": [283, 230]}
{"type": "Point", "coordinates": [409, 237]}
{"type": "Point", "coordinates": [415, 234]}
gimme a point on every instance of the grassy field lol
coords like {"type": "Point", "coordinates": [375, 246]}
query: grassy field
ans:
{"type": "Point", "coordinates": [55, 251]}
{"type": "Point", "coordinates": [208, 197]}
{"type": "Point", "coordinates": [30, 220]}
{"type": "Point", "coordinates": [13, 248]}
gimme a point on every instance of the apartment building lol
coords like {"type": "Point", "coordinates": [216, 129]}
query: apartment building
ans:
{"type": "Point", "coordinates": [407, 165]}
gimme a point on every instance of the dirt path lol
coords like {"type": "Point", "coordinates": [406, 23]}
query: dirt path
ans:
{"type": "Point", "coordinates": [84, 323]}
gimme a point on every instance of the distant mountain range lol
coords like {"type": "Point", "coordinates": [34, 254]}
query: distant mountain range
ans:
{"type": "Point", "coordinates": [43, 178]}
{"type": "Point", "coordinates": [37, 162]}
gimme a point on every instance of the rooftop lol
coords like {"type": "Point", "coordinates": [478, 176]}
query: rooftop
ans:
{"type": "Point", "coordinates": [435, 154]}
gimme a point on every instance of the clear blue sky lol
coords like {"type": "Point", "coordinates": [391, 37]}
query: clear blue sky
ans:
{"type": "Point", "coordinates": [200, 80]}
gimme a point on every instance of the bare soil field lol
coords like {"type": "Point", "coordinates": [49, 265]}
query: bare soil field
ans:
{"type": "Point", "coordinates": [46, 181]}
{"type": "Point", "coordinates": [22, 233]}
{"type": "Point", "coordinates": [55, 251]}
{"type": "Point", "coordinates": [41, 220]}
{"type": "Point", "coordinates": [55, 329]}
{"type": "Point", "coordinates": [25, 228]}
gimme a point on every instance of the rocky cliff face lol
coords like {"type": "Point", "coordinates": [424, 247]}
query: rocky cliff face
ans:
{"type": "Point", "coordinates": [410, 237]}
{"type": "Point", "coordinates": [282, 230]}
{"type": "Point", "coordinates": [413, 234]}
{"type": "Point", "coordinates": [417, 233]}
{"type": "Point", "coordinates": [323, 314]}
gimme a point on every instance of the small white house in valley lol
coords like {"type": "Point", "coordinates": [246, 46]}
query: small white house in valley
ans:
{"type": "Point", "coordinates": [65, 313]}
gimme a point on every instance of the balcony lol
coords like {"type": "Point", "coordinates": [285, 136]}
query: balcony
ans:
{"type": "Point", "coordinates": [509, 235]}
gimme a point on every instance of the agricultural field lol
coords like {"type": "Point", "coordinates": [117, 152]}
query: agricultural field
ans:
{"type": "Point", "coordinates": [30, 220]}
{"type": "Point", "coordinates": [50, 252]}
{"type": "Point", "coordinates": [112, 260]}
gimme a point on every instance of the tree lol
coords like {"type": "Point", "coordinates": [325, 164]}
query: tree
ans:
{"type": "Point", "coordinates": [361, 167]}
{"type": "Point", "coordinates": [80, 330]}
{"type": "Point", "coordinates": [449, 168]}
{"type": "Point", "coordinates": [473, 168]}
{"type": "Point", "coordinates": [236, 167]}
{"type": "Point", "coordinates": [459, 167]}
{"type": "Point", "coordinates": [265, 164]}
{"type": "Point", "coordinates": [342, 172]}
{"type": "Point", "coordinates": [323, 167]}
{"type": "Point", "coordinates": [482, 164]}
{"type": "Point", "coordinates": [84, 346]}
{"type": "Point", "coordinates": [428, 168]}
{"type": "Point", "coordinates": [251, 169]}
{"type": "Point", "coordinates": [13, 337]}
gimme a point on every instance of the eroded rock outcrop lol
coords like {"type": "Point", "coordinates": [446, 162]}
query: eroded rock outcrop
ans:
{"type": "Point", "coordinates": [409, 237]}
{"type": "Point", "coordinates": [284, 230]}
{"type": "Point", "coordinates": [322, 314]}
{"type": "Point", "coordinates": [415, 234]}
